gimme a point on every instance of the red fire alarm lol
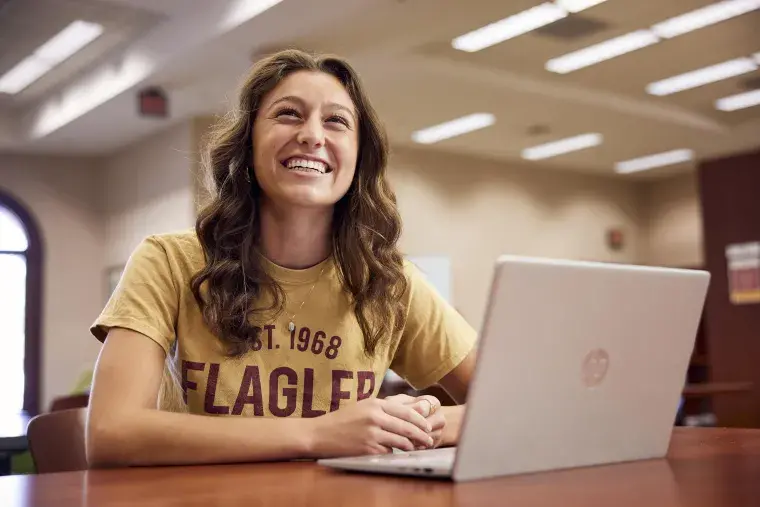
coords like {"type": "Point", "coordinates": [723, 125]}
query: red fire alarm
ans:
{"type": "Point", "coordinates": [615, 239]}
{"type": "Point", "coordinates": [152, 102]}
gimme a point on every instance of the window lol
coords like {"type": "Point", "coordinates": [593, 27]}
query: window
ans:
{"type": "Point", "coordinates": [20, 263]}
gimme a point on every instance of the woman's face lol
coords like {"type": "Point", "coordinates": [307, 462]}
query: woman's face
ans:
{"type": "Point", "coordinates": [306, 141]}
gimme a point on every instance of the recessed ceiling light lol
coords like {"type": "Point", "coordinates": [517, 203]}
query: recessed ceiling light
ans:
{"type": "Point", "coordinates": [508, 28]}
{"type": "Point", "coordinates": [453, 128]}
{"type": "Point", "coordinates": [602, 51]}
{"type": "Point", "coordinates": [739, 101]}
{"type": "Point", "coordinates": [652, 161]}
{"type": "Point", "coordinates": [562, 146]}
{"type": "Point", "coordinates": [706, 16]}
{"type": "Point", "coordinates": [578, 5]}
{"type": "Point", "coordinates": [703, 76]}
{"type": "Point", "coordinates": [64, 44]}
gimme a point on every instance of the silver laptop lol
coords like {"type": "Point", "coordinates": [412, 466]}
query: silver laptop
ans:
{"type": "Point", "coordinates": [578, 364]}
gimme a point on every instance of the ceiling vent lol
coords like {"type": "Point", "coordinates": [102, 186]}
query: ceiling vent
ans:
{"type": "Point", "coordinates": [752, 83]}
{"type": "Point", "coordinates": [572, 27]}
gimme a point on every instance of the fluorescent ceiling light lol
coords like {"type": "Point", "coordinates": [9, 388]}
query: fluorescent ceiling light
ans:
{"type": "Point", "coordinates": [508, 28]}
{"type": "Point", "coordinates": [562, 146]}
{"type": "Point", "coordinates": [22, 75]}
{"type": "Point", "coordinates": [706, 16]}
{"type": "Point", "coordinates": [578, 5]}
{"type": "Point", "coordinates": [454, 128]}
{"type": "Point", "coordinates": [739, 101]}
{"type": "Point", "coordinates": [64, 44]}
{"type": "Point", "coordinates": [68, 41]}
{"type": "Point", "coordinates": [242, 11]}
{"type": "Point", "coordinates": [602, 51]}
{"type": "Point", "coordinates": [702, 76]}
{"type": "Point", "coordinates": [652, 161]}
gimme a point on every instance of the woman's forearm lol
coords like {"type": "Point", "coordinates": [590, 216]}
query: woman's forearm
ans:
{"type": "Point", "coordinates": [153, 437]}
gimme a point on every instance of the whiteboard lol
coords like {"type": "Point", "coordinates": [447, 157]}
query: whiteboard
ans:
{"type": "Point", "coordinates": [437, 269]}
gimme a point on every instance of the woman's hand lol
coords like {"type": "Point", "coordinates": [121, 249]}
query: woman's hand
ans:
{"type": "Point", "coordinates": [371, 426]}
{"type": "Point", "coordinates": [429, 408]}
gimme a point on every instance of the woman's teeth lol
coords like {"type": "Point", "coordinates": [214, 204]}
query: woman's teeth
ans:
{"type": "Point", "coordinates": [300, 164]}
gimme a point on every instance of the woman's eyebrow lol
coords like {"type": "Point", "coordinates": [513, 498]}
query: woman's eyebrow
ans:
{"type": "Point", "coordinates": [302, 103]}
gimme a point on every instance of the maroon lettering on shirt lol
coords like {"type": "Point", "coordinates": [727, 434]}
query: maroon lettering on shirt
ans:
{"type": "Point", "coordinates": [290, 393]}
{"type": "Point", "coordinates": [269, 328]}
{"type": "Point", "coordinates": [213, 379]}
{"type": "Point", "coordinates": [186, 383]}
{"type": "Point", "coordinates": [337, 393]}
{"type": "Point", "coordinates": [250, 380]}
{"type": "Point", "coordinates": [308, 395]}
{"type": "Point", "coordinates": [363, 377]}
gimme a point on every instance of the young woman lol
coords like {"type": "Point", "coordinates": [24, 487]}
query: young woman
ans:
{"type": "Point", "coordinates": [286, 305]}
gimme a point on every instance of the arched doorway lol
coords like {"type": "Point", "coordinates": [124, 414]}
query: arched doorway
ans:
{"type": "Point", "coordinates": [20, 307]}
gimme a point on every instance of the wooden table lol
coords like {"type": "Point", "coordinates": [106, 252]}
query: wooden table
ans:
{"type": "Point", "coordinates": [705, 468]}
{"type": "Point", "coordinates": [12, 438]}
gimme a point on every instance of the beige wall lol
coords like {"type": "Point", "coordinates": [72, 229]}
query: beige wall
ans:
{"type": "Point", "coordinates": [148, 189]}
{"type": "Point", "coordinates": [63, 194]}
{"type": "Point", "coordinates": [94, 212]}
{"type": "Point", "coordinates": [673, 222]}
{"type": "Point", "coordinates": [473, 210]}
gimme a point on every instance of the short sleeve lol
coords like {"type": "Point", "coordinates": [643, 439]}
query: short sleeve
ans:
{"type": "Point", "coordinates": [435, 339]}
{"type": "Point", "coordinates": [146, 298]}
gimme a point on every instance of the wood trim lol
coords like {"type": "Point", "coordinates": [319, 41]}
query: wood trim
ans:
{"type": "Point", "coordinates": [34, 288]}
{"type": "Point", "coordinates": [731, 214]}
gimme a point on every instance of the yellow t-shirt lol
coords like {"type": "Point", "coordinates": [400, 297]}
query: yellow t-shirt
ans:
{"type": "Point", "coordinates": [317, 368]}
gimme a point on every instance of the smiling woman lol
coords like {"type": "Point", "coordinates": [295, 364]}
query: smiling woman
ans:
{"type": "Point", "coordinates": [287, 304]}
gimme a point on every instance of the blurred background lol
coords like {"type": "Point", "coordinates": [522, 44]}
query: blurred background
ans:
{"type": "Point", "coordinates": [619, 131]}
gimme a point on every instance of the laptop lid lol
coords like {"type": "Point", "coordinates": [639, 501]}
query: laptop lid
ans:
{"type": "Point", "coordinates": [579, 363]}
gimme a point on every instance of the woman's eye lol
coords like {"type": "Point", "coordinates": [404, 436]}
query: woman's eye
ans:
{"type": "Point", "coordinates": [288, 112]}
{"type": "Point", "coordinates": [338, 119]}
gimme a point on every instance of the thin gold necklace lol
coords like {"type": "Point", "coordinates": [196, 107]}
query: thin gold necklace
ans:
{"type": "Point", "coordinates": [292, 323]}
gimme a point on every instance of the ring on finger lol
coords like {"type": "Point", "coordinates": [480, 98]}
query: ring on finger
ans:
{"type": "Point", "coordinates": [432, 408]}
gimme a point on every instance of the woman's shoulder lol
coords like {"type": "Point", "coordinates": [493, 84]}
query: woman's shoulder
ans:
{"type": "Point", "coordinates": [412, 272]}
{"type": "Point", "coordinates": [184, 240]}
{"type": "Point", "coordinates": [420, 284]}
{"type": "Point", "coordinates": [182, 249]}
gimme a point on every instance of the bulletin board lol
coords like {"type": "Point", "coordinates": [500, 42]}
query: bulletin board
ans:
{"type": "Point", "coordinates": [437, 269]}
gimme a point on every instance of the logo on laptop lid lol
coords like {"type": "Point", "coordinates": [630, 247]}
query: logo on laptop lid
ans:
{"type": "Point", "coordinates": [594, 367]}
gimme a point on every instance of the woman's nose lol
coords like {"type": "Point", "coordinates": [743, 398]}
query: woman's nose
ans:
{"type": "Point", "coordinates": [311, 133]}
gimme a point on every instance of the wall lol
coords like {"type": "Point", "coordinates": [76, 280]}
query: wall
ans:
{"type": "Point", "coordinates": [730, 194]}
{"type": "Point", "coordinates": [672, 218]}
{"type": "Point", "coordinates": [473, 210]}
{"type": "Point", "coordinates": [148, 189]}
{"type": "Point", "coordinates": [63, 194]}
{"type": "Point", "coordinates": [94, 212]}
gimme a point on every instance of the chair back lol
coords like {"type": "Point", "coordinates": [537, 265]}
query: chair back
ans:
{"type": "Point", "coordinates": [70, 401]}
{"type": "Point", "coordinates": [57, 442]}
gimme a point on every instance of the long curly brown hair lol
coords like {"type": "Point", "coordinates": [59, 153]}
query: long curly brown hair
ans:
{"type": "Point", "coordinates": [366, 223]}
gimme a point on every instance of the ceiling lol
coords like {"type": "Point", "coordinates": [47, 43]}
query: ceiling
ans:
{"type": "Point", "coordinates": [403, 50]}
{"type": "Point", "coordinates": [25, 25]}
